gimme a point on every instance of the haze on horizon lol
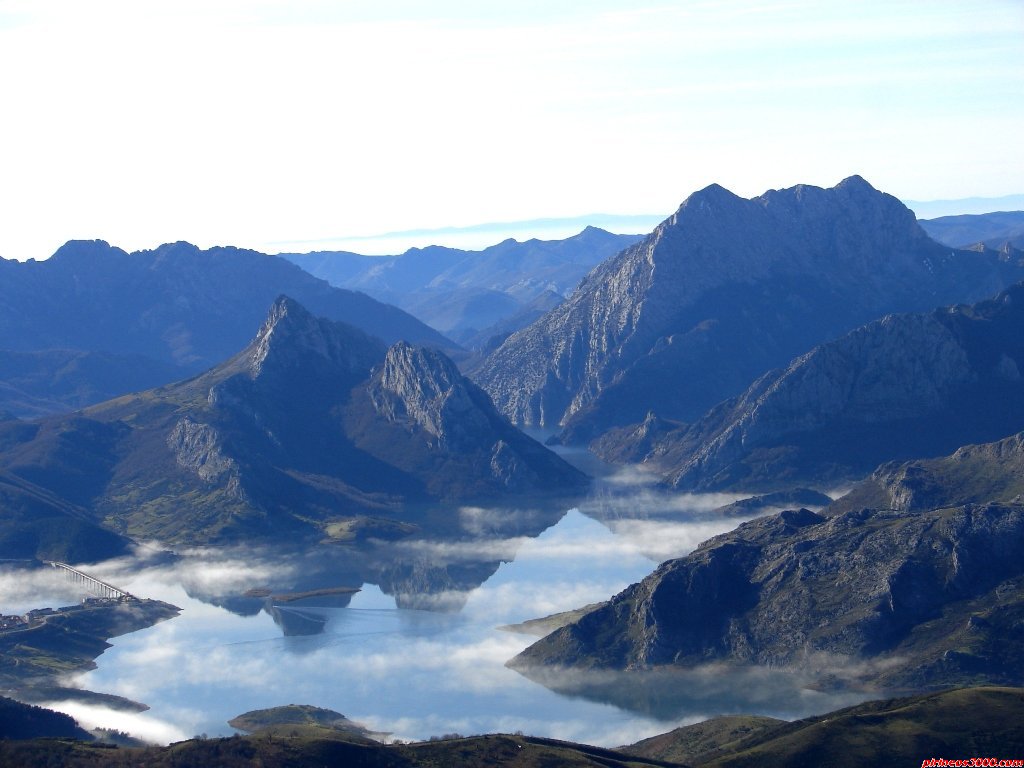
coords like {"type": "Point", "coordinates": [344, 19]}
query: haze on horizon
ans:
{"type": "Point", "coordinates": [272, 125]}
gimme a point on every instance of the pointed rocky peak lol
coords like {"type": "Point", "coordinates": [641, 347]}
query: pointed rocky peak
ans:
{"type": "Point", "coordinates": [856, 189]}
{"type": "Point", "coordinates": [713, 196]}
{"type": "Point", "coordinates": [856, 185]}
{"type": "Point", "coordinates": [291, 334]}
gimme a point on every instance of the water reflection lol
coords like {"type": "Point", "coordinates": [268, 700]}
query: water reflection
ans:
{"type": "Point", "coordinates": [400, 632]}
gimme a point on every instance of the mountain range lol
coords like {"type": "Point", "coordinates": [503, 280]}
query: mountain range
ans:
{"type": "Point", "coordinates": [744, 344]}
{"type": "Point", "coordinates": [313, 423]}
{"type": "Point", "coordinates": [471, 295]}
{"type": "Point", "coordinates": [993, 230]}
{"type": "Point", "coordinates": [93, 321]}
{"type": "Point", "coordinates": [721, 292]}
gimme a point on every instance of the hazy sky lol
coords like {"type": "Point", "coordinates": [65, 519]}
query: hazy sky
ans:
{"type": "Point", "coordinates": [264, 124]}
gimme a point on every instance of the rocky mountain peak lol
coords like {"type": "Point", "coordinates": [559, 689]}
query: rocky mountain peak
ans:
{"type": "Point", "coordinates": [855, 184]}
{"type": "Point", "coordinates": [291, 334]}
{"type": "Point", "coordinates": [712, 194]}
{"type": "Point", "coordinates": [697, 304]}
{"type": "Point", "coordinates": [425, 387]}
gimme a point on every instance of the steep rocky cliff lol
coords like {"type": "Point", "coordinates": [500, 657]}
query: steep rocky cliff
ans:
{"type": "Point", "coordinates": [903, 386]}
{"type": "Point", "coordinates": [429, 419]}
{"type": "Point", "coordinates": [925, 590]}
{"type": "Point", "coordinates": [314, 421]}
{"type": "Point", "coordinates": [869, 596]}
{"type": "Point", "coordinates": [722, 291]}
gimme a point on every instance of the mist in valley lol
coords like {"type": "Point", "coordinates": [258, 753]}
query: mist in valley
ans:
{"type": "Point", "coordinates": [417, 650]}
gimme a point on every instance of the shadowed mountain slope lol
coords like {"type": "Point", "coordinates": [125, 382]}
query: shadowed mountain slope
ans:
{"type": "Point", "coordinates": [972, 721]}
{"type": "Point", "coordinates": [901, 387]}
{"type": "Point", "coordinates": [57, 380]}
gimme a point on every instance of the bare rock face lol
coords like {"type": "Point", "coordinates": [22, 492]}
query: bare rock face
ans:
{"type": "Point", "coordinates": [972, 474]}
{"type": "Point", "coordinates": [442, 424]}
{"type": "Point", "coordinates": [196, 448]}
{"type": "Point", "coordinates": [874, 596]}
{"type": "Point", "coordinates": [721, 292]}
{"type": "Point", "coordinates": [291, 338]}
{"type": "Point", "coordinates": [903, 386]}
{"type": "Point", "coordinates": [425, 388]}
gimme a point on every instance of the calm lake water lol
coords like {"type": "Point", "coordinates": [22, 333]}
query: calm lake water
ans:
{"type": "Point", "coordinates": [409, 672]}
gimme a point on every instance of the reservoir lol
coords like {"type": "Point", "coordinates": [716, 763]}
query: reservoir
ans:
{"type": "Point", "coordinates": [407, 663]}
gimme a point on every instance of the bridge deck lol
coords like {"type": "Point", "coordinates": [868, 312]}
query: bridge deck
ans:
{"type": "Point", "coordinates": [105, 589]}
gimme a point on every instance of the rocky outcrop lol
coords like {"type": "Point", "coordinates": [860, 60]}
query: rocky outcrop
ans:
{"type": "Point", "coordinates": [444, 427]}
{"type": "Point", "coordinates": [424, 388]}
{"type": "Point", "coordinates": [912, 580]}
{"type": "Point", "coordinates": [291, 336]}
{"type": "Point", "coordinates": [972, 474]}
{"type": "Point", "coordinates": [887, 597]}
{"type": "Point", "coordinates": [722, 291]}
{"type": "Point", "coordinates": [196, 448]}
{"type": "Point", "coordinates": [903, 386]}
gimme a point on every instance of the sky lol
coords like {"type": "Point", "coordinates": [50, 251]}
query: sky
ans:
{"type": "Point", "coordinates": [307, 124]}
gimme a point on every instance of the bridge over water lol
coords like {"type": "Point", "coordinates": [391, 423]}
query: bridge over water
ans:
{"type": "Point", "coordinates": [91, 583]}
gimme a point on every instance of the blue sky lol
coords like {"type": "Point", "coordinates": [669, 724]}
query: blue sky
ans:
{"type": "Point", "coordinates": [274, 124]}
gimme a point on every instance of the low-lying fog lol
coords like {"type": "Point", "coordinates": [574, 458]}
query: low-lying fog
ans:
{"type": "Point", "coordinates": [410, 673]}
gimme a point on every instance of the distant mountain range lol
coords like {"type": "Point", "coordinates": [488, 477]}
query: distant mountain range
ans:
{"type": "Point", "coordinates": [313, 423]}
{"type": "Point", "coordinates": [721, 292]}
{"type": "Point", "coordinates": [901, 387]}
{"type": "Point", "coordinates": [465, 294]}
{"type": "Point", "coordinates": [932, 209]}
{"type": "Point", "coordinates": [93, 321]}
{"type": "Point", "coordinates": [993, 230]}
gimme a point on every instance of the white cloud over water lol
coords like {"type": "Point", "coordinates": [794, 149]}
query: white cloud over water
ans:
{"type": "Point", "coordinates": [410, 672]}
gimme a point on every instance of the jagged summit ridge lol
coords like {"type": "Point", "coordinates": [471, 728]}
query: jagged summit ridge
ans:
{"type": "Point", "coordinates": [693, 313]}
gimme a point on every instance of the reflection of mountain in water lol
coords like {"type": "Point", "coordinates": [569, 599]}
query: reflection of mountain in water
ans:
{"type": "Point", "coordinates": [673, 694]}
{"type": "Point", "coordinates": [430, 568]}
{"type": "Point", "coordinates": [298, 620]}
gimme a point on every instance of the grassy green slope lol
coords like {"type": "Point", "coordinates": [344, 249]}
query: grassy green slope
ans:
{"type": "Point", "coordinates": [961, 723]}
